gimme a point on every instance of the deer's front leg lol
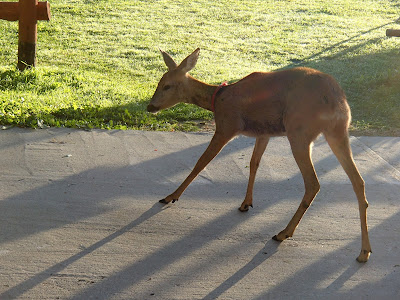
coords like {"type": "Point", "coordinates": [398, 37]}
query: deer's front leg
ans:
{"type": "Point", "coordinates": [217, 143]}
{"type": "Point", "coordinates": [259, 148]}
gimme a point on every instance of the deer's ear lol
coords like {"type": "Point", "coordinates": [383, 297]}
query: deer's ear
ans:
{"type": "Point", "coordinates": [171, 64]}
{"type": "Point", "coordinates": [189, 62]}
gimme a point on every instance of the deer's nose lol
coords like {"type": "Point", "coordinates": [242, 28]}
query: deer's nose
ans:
{"type": "Point", "coordinates": [151, 108]}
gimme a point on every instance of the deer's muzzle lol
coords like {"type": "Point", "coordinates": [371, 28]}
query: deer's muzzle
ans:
{"type": "Point", "coordinates": [151, 108]}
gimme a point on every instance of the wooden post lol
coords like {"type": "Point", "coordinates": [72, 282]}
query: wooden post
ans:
{"type": "Point", "coordinates": [27, 37]}
{"type": "Point", "coordinates": [27, 12]}
{"type": "Point", "coordinates": [393, 32]}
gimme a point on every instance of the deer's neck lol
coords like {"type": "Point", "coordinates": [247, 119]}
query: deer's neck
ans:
{"type": "Point", "coordinates": [200, 93]}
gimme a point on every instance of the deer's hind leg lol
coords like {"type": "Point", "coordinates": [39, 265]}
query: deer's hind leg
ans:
{"type": "Point", "coordinates": [301, 148]}
{"type": "Point", "coordinates": [340, 145]}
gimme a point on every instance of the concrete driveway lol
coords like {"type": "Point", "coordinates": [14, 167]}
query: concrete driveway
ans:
{"type": "Point", "coordinates": [80, 219]}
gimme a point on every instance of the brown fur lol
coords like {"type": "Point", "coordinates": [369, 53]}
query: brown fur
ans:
{"type": "Point", "coordinates": [300, 103]}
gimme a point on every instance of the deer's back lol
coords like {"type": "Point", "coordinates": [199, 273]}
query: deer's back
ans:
{"type": "Point", "coordinates": [271, 103]}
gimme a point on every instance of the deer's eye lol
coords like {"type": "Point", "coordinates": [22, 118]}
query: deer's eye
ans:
{"type": "Point", "coordinates": [167, 87]}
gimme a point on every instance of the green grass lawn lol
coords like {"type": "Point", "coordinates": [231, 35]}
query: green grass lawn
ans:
{"type": "Point", "coordinates": [98, 61]}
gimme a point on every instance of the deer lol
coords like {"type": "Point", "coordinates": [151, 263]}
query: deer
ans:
{"type": "Point", "coordinates": [300, 103]}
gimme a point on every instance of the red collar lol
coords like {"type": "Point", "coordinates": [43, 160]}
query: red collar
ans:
{"type": "Point", "coordinates": [215, 94]}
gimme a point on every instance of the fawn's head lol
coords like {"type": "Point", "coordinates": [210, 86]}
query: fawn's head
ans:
{"type": "Point", "coordinates": [171, 89]}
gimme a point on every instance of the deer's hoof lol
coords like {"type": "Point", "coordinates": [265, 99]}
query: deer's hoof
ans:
{"type": "Point", "coordinates": [364, 256]}
{"type": "Point", "coordinates": [245, 207]}
{"type": "Point", "coordinates": [275, 238]}
{"type": "Point", "coordinates": [281, 236]}
{"type": "Point", "coordinates": [164, 201]}
{"type": "Point", "coordinates": [278, 239]}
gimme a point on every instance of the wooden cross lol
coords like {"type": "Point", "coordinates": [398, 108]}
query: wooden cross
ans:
{"type": "Point", "coordinates": [27, 12]}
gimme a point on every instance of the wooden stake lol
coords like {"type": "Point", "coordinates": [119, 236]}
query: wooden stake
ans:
{"type": "Point", "coordinates": [27, 34]}
{"type": "Point", "coordinates": [393, 32]}
{"type": "Point", "coordinates": [27, 12]}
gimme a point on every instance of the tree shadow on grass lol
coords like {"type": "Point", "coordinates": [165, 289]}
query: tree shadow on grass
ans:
{"type": "Point", "coordinates": [340, 53]}
{"type": "Point", "coordinates": [370, 81]}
